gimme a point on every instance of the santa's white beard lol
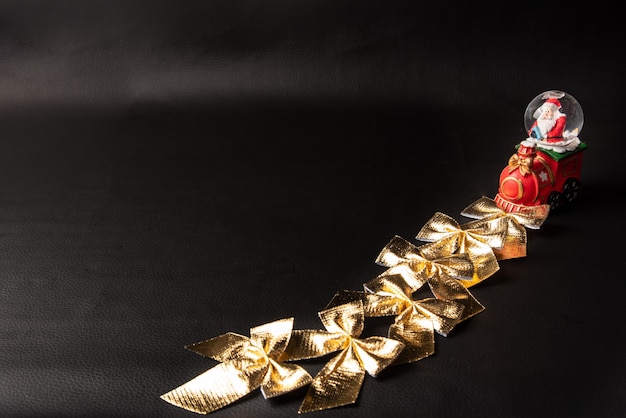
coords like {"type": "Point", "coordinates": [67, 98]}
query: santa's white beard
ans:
{"type": "Point", "coordinates": [545, 125]}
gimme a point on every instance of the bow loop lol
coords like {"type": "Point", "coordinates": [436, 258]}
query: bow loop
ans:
{"type": "Point", "coordinates": [439, 226]}
{"type": "Point", "coordinates": [347, 318]}
{"type": "Point", "coordinates": [531, 217]}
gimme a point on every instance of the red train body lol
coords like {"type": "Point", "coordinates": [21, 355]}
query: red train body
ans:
{"type": "Point", "coordinates": [549, 177]}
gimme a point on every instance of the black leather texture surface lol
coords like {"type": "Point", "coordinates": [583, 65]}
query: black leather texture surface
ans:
{"type": "Point", "coordinates": [172, 171]}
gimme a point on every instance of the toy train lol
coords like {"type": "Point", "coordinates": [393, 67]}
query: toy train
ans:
{"type": "Point", "coordinates": [546, 168]}
{"type": "Point", "coordinates": [538, 176]}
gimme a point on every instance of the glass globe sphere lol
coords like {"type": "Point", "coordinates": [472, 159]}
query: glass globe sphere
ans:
{"type": "Point", "coordinates": [568, 106]}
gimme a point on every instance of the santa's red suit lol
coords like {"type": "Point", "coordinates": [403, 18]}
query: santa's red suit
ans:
{"type": "Point", "coordinates": [550, 130]}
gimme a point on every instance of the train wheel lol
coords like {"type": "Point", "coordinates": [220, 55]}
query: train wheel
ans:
{"type": "Point", "coordinates": [571, 188]}
{"type": "Point", "coordinates": [554, 200]}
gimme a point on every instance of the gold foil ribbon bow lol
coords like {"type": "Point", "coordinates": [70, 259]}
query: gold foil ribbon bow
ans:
{"type": "Point", "coordinates": [414, 323]}
{"type": "Point", "coordinates": [444, 275]}
{"type": "Point", "coordinates": [340, 380]}
{"type": "Point", "coordinates": [393, 293]}
{"type": "Point", "coordinates": [520, 163]}
{"type": "Point", "coordinates": [245, 365]}
{"type": "Point", "coordinates": [415, 320]}
{"type": "Point", "coordinates": [446, 237]}
{"type": "Point", "coordinates": [486, 210]}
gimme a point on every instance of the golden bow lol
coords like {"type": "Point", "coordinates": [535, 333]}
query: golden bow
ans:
{"type": "Point", "coordinates": [446, 237]}
{"type": "Point", "coordinates": [522, 164]}
{"type": "Point", "coordinates": [445, 275]}
{"type": "Point", "coordinates": [415, 320]}
{"type": "Point", "coordinates": [413, 324]}
{"type": "Point", "coordinates": [340, 380]}
{"type": "Point", "coordinates": [245, 365]}
{"type": "Point", "coordinates": [486, 210]}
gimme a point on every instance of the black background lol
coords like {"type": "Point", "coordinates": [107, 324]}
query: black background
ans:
{"type": "Point", "coordinates": [172, 171]}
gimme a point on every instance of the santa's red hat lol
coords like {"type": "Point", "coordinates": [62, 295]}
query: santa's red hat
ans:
{"type": "Point", "coordinates": [550, 102]}
{"type": "Point", "coordinates": [554, 102]}
{"type": "Point", "coordinates": [526, 149]}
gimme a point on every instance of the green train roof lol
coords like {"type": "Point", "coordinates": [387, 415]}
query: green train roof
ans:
{"type": "Point", "coordinates": [557, 156]}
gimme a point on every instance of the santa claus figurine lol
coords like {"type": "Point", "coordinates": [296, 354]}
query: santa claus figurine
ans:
{"type": "Point", "coordinates": [549, 123]}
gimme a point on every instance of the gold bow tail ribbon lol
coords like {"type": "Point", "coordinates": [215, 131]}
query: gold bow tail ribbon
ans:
{"type": "Point", "coordinates": [445, 237]}
{"type": "Point", "coordinates": [339, 382]}
{"type": "Point", "coordinates": [532, 217]}
{"type": "Point", "coordinates": [245, 365]}
{"type": "Point", "coordinates": [445, 275]}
